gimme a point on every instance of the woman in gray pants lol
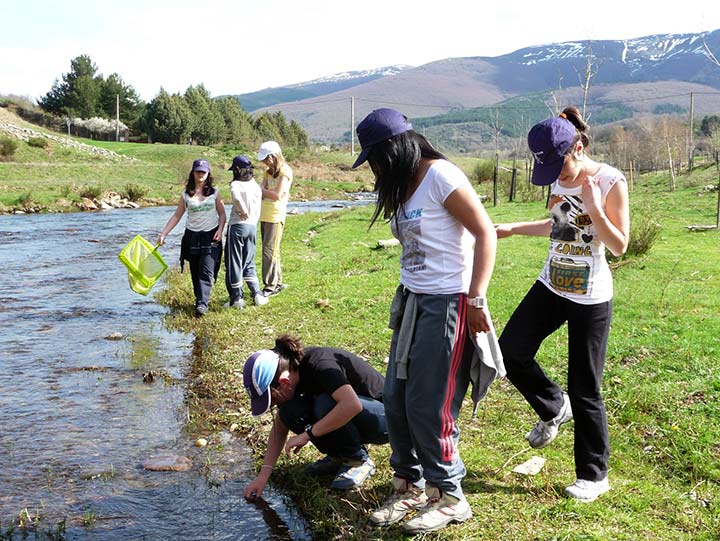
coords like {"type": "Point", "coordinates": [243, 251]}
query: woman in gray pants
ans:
{"type": "Point", "coordinates": [448, 252]}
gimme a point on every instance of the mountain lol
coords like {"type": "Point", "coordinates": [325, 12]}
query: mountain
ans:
{"type": "Point", "coordinates": [317, 87]}
{"type": "Point", "coordinates": [650, 75]}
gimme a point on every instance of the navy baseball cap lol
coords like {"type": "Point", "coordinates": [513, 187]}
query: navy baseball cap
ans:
{"type": "Point", "coordinates": [378, 126]}
{"type": "Point", "coordinates": [258, 374]}
{"type": "Point", "coordinates": [201, 165]}
{"type": "Point", "coordinates": [549, 142]}
{"type": "Point", "coordinates": [241, 162]}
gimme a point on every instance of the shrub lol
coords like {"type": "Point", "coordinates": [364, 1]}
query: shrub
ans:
{"type": "Point", "coordinates": [135, 192]}
{"type": "Point", "coordinates": [91, 192]}
{"type": "Point", "coordinates": [25, 200]}
{"type": "Point", "coordinates": [644, 231]}
{"type": "Point", "coordinates": [38, 142]}
{"type": "Point", "coordinates": [483, 171]}
{"type": "Point", "coordinates": [8, 147]}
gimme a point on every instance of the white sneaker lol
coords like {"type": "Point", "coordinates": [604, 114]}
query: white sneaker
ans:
{"type": "Point", "coordinates": [587, 491]}
{"type": "Point", "coordinates": [407, 497]}
{"type": "Point", "coordinates": [239, 304]}
{"type": "Point", "coordinates": [260, 299]}
{"type": "Point", "coordinates": [544, 432]}
{"type": "Point", "coordinates": [440, 510]}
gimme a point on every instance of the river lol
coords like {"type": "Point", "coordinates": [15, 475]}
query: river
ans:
{"type": "Point", "coordinates": [77, 419]}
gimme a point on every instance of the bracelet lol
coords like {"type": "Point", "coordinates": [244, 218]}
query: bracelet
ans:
{"type": "Point", "coordinates": [266, 466]}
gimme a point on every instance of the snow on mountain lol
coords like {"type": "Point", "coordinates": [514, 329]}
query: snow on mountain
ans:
{"type": "Point", "coordinates": [359, 74]}
{"type": "Point", "coordinates": [638, 52]}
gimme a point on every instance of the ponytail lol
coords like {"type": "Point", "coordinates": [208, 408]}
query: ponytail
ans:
{"type": "Point", "coordinates": [290, 350]}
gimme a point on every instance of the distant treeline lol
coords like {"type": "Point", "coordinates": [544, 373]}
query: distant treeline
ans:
{"type": "Point", "coordinates": [514, 116]}
{"type": "Point", "coordinates": [192, 117]}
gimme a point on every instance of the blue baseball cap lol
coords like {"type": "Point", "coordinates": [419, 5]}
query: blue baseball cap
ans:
{"type": "Point", "coordinates": [379, 126]}
{"type": "Point", "coordinates": [241, 162]}
{"type": "Point", "coordinates": [201, 165]}
{"type": "Point", "coordinates": [258, 373]}
{"type": "Point", "coordinates": [549, 142]}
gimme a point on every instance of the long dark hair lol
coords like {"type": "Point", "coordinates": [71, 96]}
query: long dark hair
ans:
{"type": "Point", "coordinates": [243, 175]}
{"type": "Point", "coordinates": [208, 188]}
{"type": "Point", "coordinates": [291, 352]}
{"type": "Point", "coordinates": [575, 117]}
{"type": "Point", "coordinates": [395, 164]}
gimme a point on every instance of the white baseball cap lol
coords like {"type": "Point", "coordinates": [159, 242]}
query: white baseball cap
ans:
{"type": "Point", "coordinates": [267, 148]}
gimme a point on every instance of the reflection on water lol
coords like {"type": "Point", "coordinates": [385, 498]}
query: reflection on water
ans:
{"type": "Point", "coordinates": [77, 419]}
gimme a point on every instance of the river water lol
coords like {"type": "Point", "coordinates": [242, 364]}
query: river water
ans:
{"type": "Point", "coordinates": [77, 421]}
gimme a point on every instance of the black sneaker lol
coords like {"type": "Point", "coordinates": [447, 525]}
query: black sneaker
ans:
{"type": "Point", "coordinates": [330, 465]}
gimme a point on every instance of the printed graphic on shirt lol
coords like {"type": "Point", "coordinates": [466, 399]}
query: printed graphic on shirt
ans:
{"type": "Point", "coordinates": [571, 233]}
{"type": "Point", "coordinates": [200, 207]}
{"type": "Point", "coordinates": [409, 233]}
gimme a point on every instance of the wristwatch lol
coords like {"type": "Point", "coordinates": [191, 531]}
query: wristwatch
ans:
{"type": "Point", "coordinates": [308, 431]}
{"type": "Point", "coordinates": [476, 302]}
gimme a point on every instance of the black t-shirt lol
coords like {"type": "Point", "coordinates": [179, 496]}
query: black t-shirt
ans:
{"type": "Point", "coordinates": [324, 370]}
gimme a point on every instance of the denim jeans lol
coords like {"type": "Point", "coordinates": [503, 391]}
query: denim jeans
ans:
{"type": "Point", "coordinates": [348, 441]}
{"type": "Point", "coordinates": [240, 261]}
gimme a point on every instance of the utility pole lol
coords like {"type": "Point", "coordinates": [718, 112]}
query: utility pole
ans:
{"type": "Point", "coordinates": [352, 126]}
{"type": "Point", "coordinates": [690, 135]}
{"type": "Point", "coordinates": [117, 117]}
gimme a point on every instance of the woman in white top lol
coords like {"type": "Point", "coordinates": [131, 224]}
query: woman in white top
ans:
{"type": "Point", "coordinates": [202, 242]}
{"type": "Point", "coordinates": [589, 207]}
{"type": "Point", "coordinates": [242, 235]}
{"type": "Point", "coordinates": [448, 254]}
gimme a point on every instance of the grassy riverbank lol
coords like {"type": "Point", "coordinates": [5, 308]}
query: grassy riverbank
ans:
{"type": "Point", "coordinates": [662, 380]}
{"type": "Point", "coordinates": [52, 174]}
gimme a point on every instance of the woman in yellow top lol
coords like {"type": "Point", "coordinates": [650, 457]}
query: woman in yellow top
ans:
{"type": "Point", "coordinates": [275, 192]}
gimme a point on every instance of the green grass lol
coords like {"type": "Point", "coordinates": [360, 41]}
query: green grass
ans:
{"type": "Point", "coordinates": [662, 379]}
{"type": "Point", "coordinates": [52, 178]}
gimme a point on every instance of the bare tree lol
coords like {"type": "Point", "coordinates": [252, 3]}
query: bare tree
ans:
{"type": "Point", "coordinates": [592, 68]}
{"type": "Point", "coordinates": [555, 107]}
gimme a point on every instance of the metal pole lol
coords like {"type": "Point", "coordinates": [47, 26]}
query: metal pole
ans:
{"type": "Point", "coordinates": [690, 136]}
{"type": "Point", "coordinates": [352, 126]}
{"type": "Point", "coordinates": [117, 117]}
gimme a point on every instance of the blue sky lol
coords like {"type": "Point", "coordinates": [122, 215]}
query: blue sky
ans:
{"type": "Point", "coordinates": [240, 46]}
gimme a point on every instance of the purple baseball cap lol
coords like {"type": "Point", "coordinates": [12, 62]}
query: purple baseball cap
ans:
{"type": "Point", "coordinates": [378, 126]}
{"type": "Point", "coordinates": [241, 162]}
{"type": "Point", "coordinates": [201, 165]}
{"type": "Point", "coordinates": [258, 373]}
{"type": "Point", "coordinates": [549, 141]}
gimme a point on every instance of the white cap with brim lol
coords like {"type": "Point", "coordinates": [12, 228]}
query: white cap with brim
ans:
{"type": "Point", "coordinates": [267, 148]}
{"type": "Point", "coordinates": [258, 374]}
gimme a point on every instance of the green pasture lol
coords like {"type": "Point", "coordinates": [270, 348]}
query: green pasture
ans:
{"type": "Point", "coordinates": [54, 178]}
{"type": "Point", "coordinates": [662, 379]}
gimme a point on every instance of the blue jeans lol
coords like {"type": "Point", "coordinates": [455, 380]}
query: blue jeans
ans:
{"type": "Point", "coordinates": [240, 261]}
{"type": "Point", "coordinates": [348, 441]}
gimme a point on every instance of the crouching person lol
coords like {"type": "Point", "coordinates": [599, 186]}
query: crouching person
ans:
{"type": "Point", "coordinates": [327, 396]}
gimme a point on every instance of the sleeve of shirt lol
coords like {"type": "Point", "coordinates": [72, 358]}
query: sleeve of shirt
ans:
{"type": "Point", "coordinates": [329, 377]}
{"type": "Point", "coordinates": [607, 181]}
{"type": "Point", "coordinates": [447, 178]}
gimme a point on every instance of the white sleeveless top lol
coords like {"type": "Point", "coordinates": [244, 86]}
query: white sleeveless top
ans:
{"type": "Point", "coordinates": [576, 267]}
{"type": "Point", "coordinates": [201, 215]}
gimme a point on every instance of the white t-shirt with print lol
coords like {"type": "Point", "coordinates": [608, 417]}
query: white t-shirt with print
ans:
{"type": "Point", "coordinates": [576, 267]}
{"type": "Point", "coordinates": [201, 215]}
{"type": "Point", "coordinates": [437, 250]}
